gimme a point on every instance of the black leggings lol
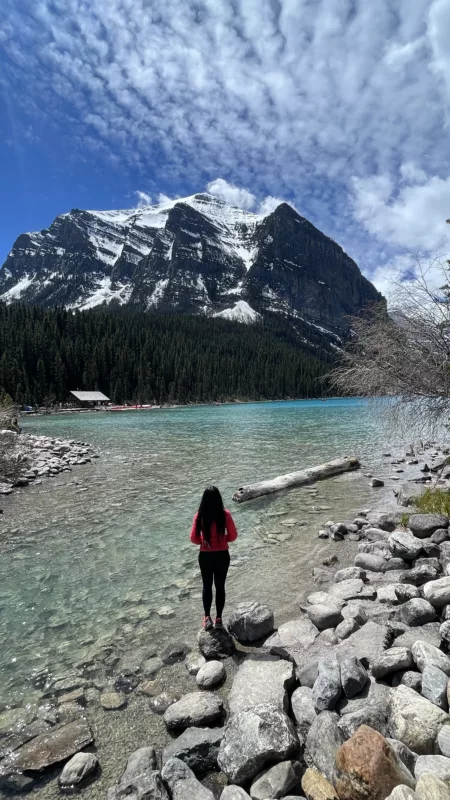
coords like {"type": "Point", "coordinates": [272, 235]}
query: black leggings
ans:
{"type": "Point", "coordinates": [214, 566]}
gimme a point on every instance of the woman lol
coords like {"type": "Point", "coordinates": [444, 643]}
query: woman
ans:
{"type": "Point", "coordinates": [212, 529]}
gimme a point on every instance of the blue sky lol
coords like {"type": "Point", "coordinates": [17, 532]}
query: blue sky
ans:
{"type": "Point", "coordinates": [340, 107]}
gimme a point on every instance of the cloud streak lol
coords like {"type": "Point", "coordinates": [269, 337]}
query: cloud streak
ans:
{"type": "Point", "coordinates": [339, 106]}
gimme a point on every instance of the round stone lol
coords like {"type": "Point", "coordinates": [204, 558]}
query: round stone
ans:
{"type": "Point", "coordinates": [210, 674]}
{"type": "Point", "coordinates": [112, 701]}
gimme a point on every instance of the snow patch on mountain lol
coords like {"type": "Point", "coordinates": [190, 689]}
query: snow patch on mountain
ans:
{"type": "Point", "coordinates": [16, 291]}
{"type": "Point", "coordinates": [104, 294]}
{"type": "Point", "coordinates": [241, 312]}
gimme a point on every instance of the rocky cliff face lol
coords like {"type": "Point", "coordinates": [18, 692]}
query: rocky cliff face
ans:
{"type": "Point", "coordinates": [195, 255]}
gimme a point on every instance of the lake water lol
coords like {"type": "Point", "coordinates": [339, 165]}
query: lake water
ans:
{"type": "Point", "coordinates": [104, 550]}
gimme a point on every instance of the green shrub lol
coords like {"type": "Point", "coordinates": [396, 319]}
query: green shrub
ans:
{"type": "Point", "coordinates": [434, 501]}
{"type": "Point", "coordinates": [404, 521]}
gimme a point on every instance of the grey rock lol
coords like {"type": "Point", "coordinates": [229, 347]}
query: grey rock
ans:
{"type": "Point", "coordinates": [324, 616]}
{"type": "Point", "coordinates": [151, 667]}
{"type": "Point", "coordinates": [404, 753]}
{"type": "Point", "coordinates": [304, 710]}
{"type": "Point", "coordinates": [141, 761]}
{"type": "Point", "coordinates": [389, 522]}
{"type": "Point", "coordinates": [355, 612]}
{"type": "Point", "coordinates": [327, 688]}
{"type": "Point", "coordinates": [402, 793]}
{"type": "Point", "coordinates": [367, 561]}
{"type": "Point", "coordinates": [161, 702]}
{"type": "Point", "coordinates": [293, 639]}
{"type": "Point", "coordinates": [350, 573]}
{"type": "Point", "coordinates": [353, 676]}
{"type": "Point", "coordinates": [197, 747]}
{"type": "Point", "coordinates": [444, 554]}
{"type": "Point", "coordinates": [444, 740]}
{"type": "Point", "coordinates": [419, 575]}
{"type": "Point", "coordinates": [366, 643]}
{"type": "Point", "coordinates": [346, 628]}
{"type": "Point", "coordinates": [376, 483]}
{"type": "Point", "coordinates": [409, 678]}
{"type": "Point", "coordinates": [406, 591]}
{"type": "Point", "coordinates": [112, 701]}
{"type": "Point", "coordinates": [416, 612]}
{"type": "Point", "coordinates": [182, 782]}
{"type": "Point", "coordinates": [371, 708]}
{"type": "Point", "coordinates": [404, 544]}
{"type": "Point", "coordinates": [211, 674]}
{"type": "Point", "coordinates": [387, 594]}
{"type": "Point", "coordinates": [426, 633]}
{"type": "Point", "coordinates": [437, 592]}
{"type": "Point", "coordinates": [251, 621]}
{"type": "Point", "coordinates": [430, 787]}
{"type": "Point", "coordinates": [216, 643]}
{"type": "Point", "coordinates": [174, 653]}
{"type": "Point", "coordinates": [261, 679]}
{"type": "Point", "coordinates": [55, 745]}
{"type": "Point", "coordinates": [322, 743]}
{"type": "Point", "coordinates": [253, 739]}
{"type": "Point", "coordinates": [428, 562]}
{"type": "Point", "coordinates": [77, 770]}
{"type": "Point", "coordinates": [274, 782]}
{"type": "Point", "coordinates": [14, 784]}
{"type": "Point", "coordinates": [307, 675]}
{"type": "Point", "coordinates": [425, 654]}
{"type": "Point", "coordinates": [436, 765]}
{"type": "Point", "coordinates": [424, 525]}
{"type": "Point", "coordinates": [353, 589]}
{"type": "Point", "coordinates": [146, 786]}
{"type": "Point", "coordinates": [323, 598]}
{"type": "Point", "coordinates": [194, 662]}
{"type": "Point", "coordinates": [234, 793]}
{"type": "Point", "coordinates": [393, 660]}
{"type": "Point", "coordinates": [197, 708]}
{"type": "Point", "coordinates": [434, 686]}
{"type": "Point", "coordinates": [439, 536]}
{"type": "Point", "coordinates": [414, 720]}
{"type": "Point", "coordinates": [444, 631]}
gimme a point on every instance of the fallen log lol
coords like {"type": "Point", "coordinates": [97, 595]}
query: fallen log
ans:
{"type": "Point", "coordinates": [305, 476]}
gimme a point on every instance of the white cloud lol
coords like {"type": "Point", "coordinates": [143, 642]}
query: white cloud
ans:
{"type": "Point", "coordinates": [269, 204]}
{"type": "Point", "coordinates": [144, 199]}
{"type": "Point", "coordinates": [232, 194]}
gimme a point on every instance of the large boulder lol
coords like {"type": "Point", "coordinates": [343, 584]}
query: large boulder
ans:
{"type": "Point", "coordinates": [353, 676]}
{"type": "Point", "coordinates": [416, 612]}
{"type": "Point", "coordinates": [425, 654]}
{"type": "Point", "coordinates": [444, 740]}
{"type": "Point", "coordinates": [434, 686]}
{"type": "Point", "coordinates": [251, 621]}
{"type": "Point", "coordinates": [324, 615]}
{"type": "Point", "coordinates": [274, 782]}
{"type": "Point", "coordinates": [210, 674]}
{"type": "Point", "coordinates": [182, 783]}
{"type": "Point", "coordinates": [138, 762]}
{"type": "Point", "coordinates": [436, 765]}
{"type": "Point", "coordinates": [366, 643]}
{"type": "Point", "coordinates": [437, 592]}
{"type": "Point", "coordinates": [414, 720]}
{"type": "Point", "coordinates": [234, 793]}
{"type": "Point", "coordinates": [292, 640]}
{"type": "Point", "coordinates": [404, 544]}
{"type": "Point", "coordinates": [197, 747]}
{"type": "Point", "coordinates": [216, 643]}
{"type": "Point", "coordinates": [327, 688]}
{"type": "Point", "coordinates": [304, 710]}
{"type": "Point", "coordinates": [255, 739]}
{"type": "Point", "coordinates": [368, 767]}
{"type": "Point", "coordinates": [423, 525]}
{"type": "Point", "coordinates": [55, 745]}
{"type": "Point", "coordinates": [430, 787]}
{"type": "Point", "coordinates": [140, 780]}
{"type": "Point", "coordinates": [77, 770]}
{"type": "Point", "coordinates": [261, 679]}
{"type": "Point", "coordinates": [370, 708]}
{"type": "Point", "coordinates": [351, 589]}
{"type": "Point", "coordinates": [197, 708]}
{"type": "Point", "coordinates": [393, 660]}
{"type": "Point", "coordinates": [322, 743]}
{"type": "Point", "coordinates": [370, 562]}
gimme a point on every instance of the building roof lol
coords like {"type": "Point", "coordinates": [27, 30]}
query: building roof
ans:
{"type": "Point", "coordinates": [90, 397]}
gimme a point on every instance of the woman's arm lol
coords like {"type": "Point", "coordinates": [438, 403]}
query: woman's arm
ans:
{"type": "Point", "coordinates": [230, 526]}
{"type": "Point", "coordinates": [195, 539]}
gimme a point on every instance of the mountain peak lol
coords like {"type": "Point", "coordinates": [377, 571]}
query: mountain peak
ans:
{"type": "Point", "coordinates": [196, 254]}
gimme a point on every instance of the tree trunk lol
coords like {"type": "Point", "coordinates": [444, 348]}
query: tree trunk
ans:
{"type": "Point", "coordinates": [301, 478]}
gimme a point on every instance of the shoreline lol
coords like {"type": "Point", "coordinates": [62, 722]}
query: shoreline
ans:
{"type": "Point", "coordinates": [67, 701]}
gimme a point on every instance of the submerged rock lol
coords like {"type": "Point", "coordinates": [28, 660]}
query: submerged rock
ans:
{"type": "Point", "coordinates": [55, 745]}
{"type": "Point", "coordinates": [80, 767]}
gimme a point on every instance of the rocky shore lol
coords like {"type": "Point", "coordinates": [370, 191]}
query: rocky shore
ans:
{"type": "Point", "coordinates": [28, 459]}
{"type": "Point", "coordinates": [348, 700]}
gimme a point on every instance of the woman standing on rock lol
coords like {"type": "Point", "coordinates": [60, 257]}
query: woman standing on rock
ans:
{"type": "Point", "coordinates": [212, 529]}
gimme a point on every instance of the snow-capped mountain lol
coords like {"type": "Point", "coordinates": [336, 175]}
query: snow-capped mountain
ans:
{"type": "Point", "coordinates": [196, 255]}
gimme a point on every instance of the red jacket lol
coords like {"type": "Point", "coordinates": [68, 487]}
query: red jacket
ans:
{"type": "Point", "coordinates": [217, 542]}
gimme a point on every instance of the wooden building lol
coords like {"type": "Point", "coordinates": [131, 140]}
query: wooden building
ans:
{"type": "Point", "coordinates": [90, 399]}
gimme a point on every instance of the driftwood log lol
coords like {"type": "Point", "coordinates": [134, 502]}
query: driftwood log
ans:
{"type": "Point", "coordinates": [301, 478]}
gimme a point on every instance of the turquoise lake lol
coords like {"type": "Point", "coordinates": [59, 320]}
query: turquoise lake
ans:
{"type": "Point", "coordinates": [105, 551]}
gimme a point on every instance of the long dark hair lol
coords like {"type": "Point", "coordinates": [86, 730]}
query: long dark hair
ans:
{"type": "Point", "coordinates": [210, 510]}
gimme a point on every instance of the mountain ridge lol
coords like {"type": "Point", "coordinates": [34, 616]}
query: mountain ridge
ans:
{"type": "Point", "coordinates": [196, 254]}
